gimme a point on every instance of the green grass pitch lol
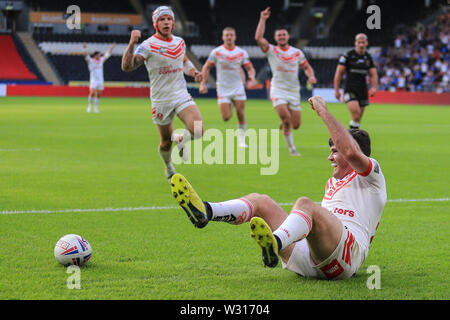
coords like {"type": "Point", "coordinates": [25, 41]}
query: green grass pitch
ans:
{"type": "Point", "coordinates": [100, 176]}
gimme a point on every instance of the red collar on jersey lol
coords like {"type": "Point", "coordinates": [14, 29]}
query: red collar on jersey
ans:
{"type": "Point", "coordinates": [229, 49]}
{"type": "Point", "coordinates": [287, 48]}
{"type": "Point", "coordinates": [159, 38]}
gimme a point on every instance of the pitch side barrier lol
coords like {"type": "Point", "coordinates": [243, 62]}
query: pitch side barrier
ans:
{"type": "Point", "coordinates": [398, 97]}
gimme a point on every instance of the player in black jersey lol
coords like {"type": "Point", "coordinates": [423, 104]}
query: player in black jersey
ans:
{"type": "Point", "coordinates": [357, 64]}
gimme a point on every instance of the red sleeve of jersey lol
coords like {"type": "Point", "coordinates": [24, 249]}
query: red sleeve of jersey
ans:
{"type": "Point", "coordinates": [268, 48]}
{"type": "Point", "coordinates": [368, 170]}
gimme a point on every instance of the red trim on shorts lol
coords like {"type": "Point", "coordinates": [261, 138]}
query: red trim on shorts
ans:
{"type": "Point", "coordinates": [348, 247]}
{"type": "Point", "coordinates": [368, 170]}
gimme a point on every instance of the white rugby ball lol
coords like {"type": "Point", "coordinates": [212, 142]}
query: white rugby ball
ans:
{"type": "Point", "coordinates": [72, 249]}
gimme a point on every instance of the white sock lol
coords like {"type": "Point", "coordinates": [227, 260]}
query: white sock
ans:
{"type": "Point", "coordinates": [354, 124]}
{"type": "Point", "coordinates": [166, 157]}
{"type": "Point", "coordinates": [90, 102]}
{"type": "Point", "coordinates": [243, 127]}
{"type": "Point", "coordinates": [241, 132]}
{"type": "Point", "coordinates": [235, 211]}
{"type": "Point", "coordinates": [289, 141]}
{"type": "Point", "coordinates": [297, 226]}
{"type": "Point", "coordinates": [96, 101]}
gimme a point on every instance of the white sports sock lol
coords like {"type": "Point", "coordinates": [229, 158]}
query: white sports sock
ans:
{"type": "Point", "coordinates": [241, 132]}
{"type": "Point", "coordinates": [242, 126]}
{"type": "Point", "coordinates": [89, 102]}
{"type": "Point", "coordinates": [235, 211]}
{"type": "Point", "coordinates": [166, 157]}
{"type": "Point", "coordinates": [354, 124]}
{"type": "Point", "coordinates": [296, 227]}
{"type": "Point", "coordinates": [96, 101]}
{"type": "Point", "coordinates": [289, 141]}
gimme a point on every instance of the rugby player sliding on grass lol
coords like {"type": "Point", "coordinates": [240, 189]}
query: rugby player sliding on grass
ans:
{"type": "Point", "coordinates": [327, 241]}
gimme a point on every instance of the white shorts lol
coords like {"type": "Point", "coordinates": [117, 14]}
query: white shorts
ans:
{"type": "Point", "coordinates": [282, 97]}
{"type": "Point", "coordinates": [163, 112]}
{"type": "Point", "coordinates": [229, 98]}
{"type": "Point", "coordinates": [96, 85]}
{"type": "Point", "coordinates": [343, 263]}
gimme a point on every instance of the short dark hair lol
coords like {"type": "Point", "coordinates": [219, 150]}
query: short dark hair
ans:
{"type": "Point", "coordinates": [281, 28]}
{"type": "Point", "coordinates": [362, 138]}
{"type": "Point", "coordinates": [95, 53]}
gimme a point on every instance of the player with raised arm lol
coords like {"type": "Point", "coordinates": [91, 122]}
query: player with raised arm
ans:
{"type": "Point", "coordinates": [166, 62]}
{"type": "Point", "coordinates": [229, 60]}
{"type": "Point", "coordinates": [96, 83]}
{"type": "Point", "coordinates": [356, 64]}
{"type": "Point", "coordinates": [327, 241]}
{"type": "Point", "coordinates": [284, 61]}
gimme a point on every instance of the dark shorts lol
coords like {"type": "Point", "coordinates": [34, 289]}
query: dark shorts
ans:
{"type": "Point", "coordinates": [361, 96]}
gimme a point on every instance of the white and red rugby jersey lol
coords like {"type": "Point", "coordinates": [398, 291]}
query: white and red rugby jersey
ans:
{"type": "Point", "coordinates": [164, 62]}
{"type": "Point", "coordinates": [358, 201]}
{"type": "Point", "coordinates": [228, 64]}
{"type": "Point", "coordinates": [96, 68]}
{"type": "Point", "coordinates": [285, 65]}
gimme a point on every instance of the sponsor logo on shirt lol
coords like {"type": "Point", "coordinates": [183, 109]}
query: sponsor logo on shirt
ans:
{"type": "Point", "coordinates": [345, 212]}
{"type": "Point", "coordinates": [169, 70]}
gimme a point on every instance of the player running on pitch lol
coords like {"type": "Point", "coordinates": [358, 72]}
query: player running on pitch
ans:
{"type": "Point", "coordinates": [327, 241]}
{"type": "Point", "coordinates": [96, 84]}
{"type": "Point", "coordinates": [284, 61]}
{"type": "Point", "coordinates": [356, 64]}
{"type": "Point", "coordinates": [165, 59]}
{"type": "Point", "coordinates": [229, 60]}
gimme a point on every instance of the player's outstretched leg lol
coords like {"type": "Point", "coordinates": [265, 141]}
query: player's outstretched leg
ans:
{"type": "Point", "coordinates": [261, 232]}
{"type": "Point", "coordinates": [189, 200]}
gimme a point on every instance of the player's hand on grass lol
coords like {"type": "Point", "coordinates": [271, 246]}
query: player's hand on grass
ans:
{"type": "Point", "coordinates": [318, 104]}
{"type": "Point", "coordinates": [135, 35]}
{"type": "Point", "coordinates": [265, 14]}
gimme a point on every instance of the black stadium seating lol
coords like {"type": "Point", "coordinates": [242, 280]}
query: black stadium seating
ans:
{"type": "Point", "coordinates": [243, 16]}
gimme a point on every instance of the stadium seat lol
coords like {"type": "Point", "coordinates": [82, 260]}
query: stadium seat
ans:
{"type": "Point", "coordinates": [12, 65]}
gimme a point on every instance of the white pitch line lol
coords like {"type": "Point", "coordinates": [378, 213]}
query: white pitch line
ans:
{"type": "Point", "coordinates": [20, 149]}
{"type": "Point", "coordinates": [91, 210]}
{"type": "Point", "coordinates": [176, 207]}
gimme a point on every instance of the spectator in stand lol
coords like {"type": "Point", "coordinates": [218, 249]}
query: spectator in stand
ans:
{"type": "Point", "coordinates": [418, 59]}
